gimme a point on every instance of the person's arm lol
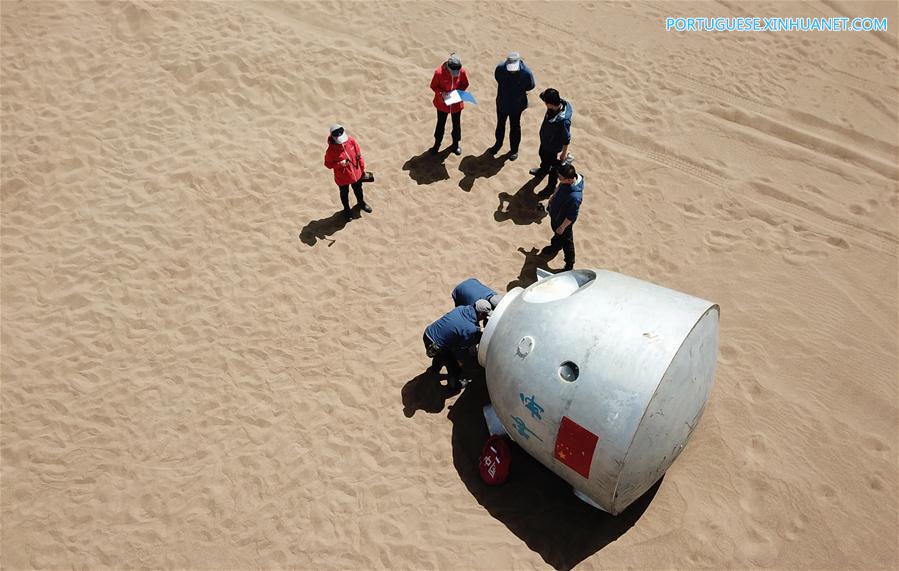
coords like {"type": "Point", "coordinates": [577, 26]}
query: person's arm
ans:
{"type": "Point", "coordinates": [361, 158]}
{"type": "Point", "coordinates": [496, 73]}
{"type": "Point", "coordinates": [331, 159]}
{"type": "Point", "coordinates": [563, 226]}
{"type": "Point", "coordinates": [532, 83]}
{"type": "Point", "coordinates": [463, 83]}
{"type": "Point", "coordinates": [435, 84]}
{"type": "Point", "coordinates": [566, 127]}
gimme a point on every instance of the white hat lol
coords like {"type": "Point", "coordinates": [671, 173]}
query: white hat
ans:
{"type": "Point", "coordinates": [513, 61]}
{"type": "Point", "coordinates": [338, 133]}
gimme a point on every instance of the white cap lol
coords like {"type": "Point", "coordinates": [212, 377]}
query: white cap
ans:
{"type": "Point", "coordinates": [513, 61]}
{"type": "Point", "coordinates": [338, 128]}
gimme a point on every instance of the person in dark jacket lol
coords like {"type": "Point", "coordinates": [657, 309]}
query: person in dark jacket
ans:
{"type": "Point", "coordinates": [448, 77]}
{"type": "Point", "coordinates": [555, 136]}
{"type": "Point", "coordinates": [513, 81]}
{"type": "Point", "coordinates": [449, 336]}
{"type": "Point", "coordinates": [563, 209]}
{"type": "Point", "coordinates": [471, 290]}
{"type": "Point", "coordinates": [344, 157]}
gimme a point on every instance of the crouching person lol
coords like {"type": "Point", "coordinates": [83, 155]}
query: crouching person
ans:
{"type": "Point", "coordinates": [449, 337]}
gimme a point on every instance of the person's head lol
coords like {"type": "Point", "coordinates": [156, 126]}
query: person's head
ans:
{"type": "Point", "coordinates": [495, 299]}
{"type": "Point", "coordinates": [567, 174]}
{"type": "Point", "coordinates": [513, 62]}
{"type": "Point", "coordinates": [338, 133]}
{"type": "Point", "coordinates": [483, 309]}
{"type": "Point", "coordinates": [552, 98]}
{"type": "Point", "coordinates": [454, 64]}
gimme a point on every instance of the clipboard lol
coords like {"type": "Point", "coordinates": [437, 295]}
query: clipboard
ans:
{"type": "Point", "coordinates": [458, 96]}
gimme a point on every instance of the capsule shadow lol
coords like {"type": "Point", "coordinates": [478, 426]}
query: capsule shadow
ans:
{"type": "Point", "coordinates": [534, 503]}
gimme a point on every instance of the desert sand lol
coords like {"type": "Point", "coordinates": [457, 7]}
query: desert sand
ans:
{"type": "Point", "coordinates": [203, 367]}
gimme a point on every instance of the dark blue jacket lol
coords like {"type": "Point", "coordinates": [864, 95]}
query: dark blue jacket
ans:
{"type": "Point", "coordinates": [512, 88]}
{"type": "Point", "coordinates": [457, 329]}
{"type": "Point", "coordinates": [566, 203]}
{"type": "Point", "coordinates": [555, 132]}
{"type": "Point", "coordinates": [471, 290]}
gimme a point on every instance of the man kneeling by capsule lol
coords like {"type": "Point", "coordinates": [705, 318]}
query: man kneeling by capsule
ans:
{"type": "Point", "coordinates": [449, 337]}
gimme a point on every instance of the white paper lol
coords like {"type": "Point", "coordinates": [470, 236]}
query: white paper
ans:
{"type": "Point", "coordinates": [452, 97]}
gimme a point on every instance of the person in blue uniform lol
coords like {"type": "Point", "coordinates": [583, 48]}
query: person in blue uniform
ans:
{"type": "Point", "coordinates": [555, 136]}
{"type": "Point", "coordinates": [447, 338]}
{"type": "Point", "coordinates": [471, 290]}
{"type": "Point", "coordinates": [513, 81]}
{"type": "Point", "coordinates": [564, 206]}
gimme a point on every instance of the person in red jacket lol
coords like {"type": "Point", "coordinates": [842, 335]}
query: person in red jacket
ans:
{"type": "Point", "coordinates": [448, 77]}
{"type": "Point", "coordinates": [344, 157]}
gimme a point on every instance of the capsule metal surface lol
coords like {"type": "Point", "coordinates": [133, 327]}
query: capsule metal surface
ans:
{"type": "Point", "coordinates": [601, 377]}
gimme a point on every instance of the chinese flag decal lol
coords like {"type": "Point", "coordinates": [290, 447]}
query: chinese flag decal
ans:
{"type": "Point", "coordinates": [575, 446]}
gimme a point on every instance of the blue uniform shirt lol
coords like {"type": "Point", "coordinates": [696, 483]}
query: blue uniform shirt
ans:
{"type": "Point", "coordinates": [469, 291]}
{"type": "Point", "coordinates": [555, 132]}
{"type": "Point", "coordinates": [566, 203]}
{"type": "Point", "coordinates": [512, 88]}
{"type": "Point", "coordinates": [457, 329]}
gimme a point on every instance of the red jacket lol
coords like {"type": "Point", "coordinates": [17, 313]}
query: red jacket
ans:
{"type": "Point", "coordinates": [442, 81]}
{"type": "Point", "coordinates": [337, 153]}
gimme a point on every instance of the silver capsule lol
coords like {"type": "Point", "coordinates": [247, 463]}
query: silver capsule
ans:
{"type": "Point", "coordinates": [601, 377]}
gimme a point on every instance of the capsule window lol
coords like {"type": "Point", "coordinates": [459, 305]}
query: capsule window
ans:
{"type": "Point", "coordinates": [558, 286]}
{"type": "Point", "coordinates": [568, 371]}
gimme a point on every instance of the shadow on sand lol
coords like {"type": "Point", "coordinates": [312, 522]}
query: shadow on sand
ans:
{"type": "Point", "coordinates": [322, 229]}
{"type": "Point", "coordinates": [483, 166]}
{"type": "Point", "coordinates": [426, 393]}
{"type": "Point", "coordinates": [534, 504]}
{"type": "Point", "coordinates": [427, 168]}
{"type": "Point", "coordinates": [533, 259]}
{"type": "Point", "coordinates": [523, 207]}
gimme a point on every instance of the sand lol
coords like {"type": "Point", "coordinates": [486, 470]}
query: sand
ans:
{"type": "Point", "coordinates": [204, 368]}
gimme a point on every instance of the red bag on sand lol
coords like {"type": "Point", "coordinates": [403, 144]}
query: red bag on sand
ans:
{"type": "Point", "coordinates": [495, 461]}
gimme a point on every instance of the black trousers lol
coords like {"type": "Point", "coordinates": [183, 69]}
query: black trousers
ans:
{"type": "Point", "coordinates": [444, 357]}
{"type": "Point", "coordinates": [441, 126]}
{"type": "Point", "coordinates": [345, 194]}
{"type": "Point", "coordinates": [514, 129]}
{"type": "Point", "coordinates": [564, 242]}
{"type": "Point", "coordinates": [549, 165]}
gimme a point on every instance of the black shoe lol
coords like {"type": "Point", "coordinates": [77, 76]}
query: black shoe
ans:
{"type": "Point", "coordinates": [493, 150]}
{"type": "Point", "coordinates": [548, 251]}
{"type": "Point", "coordinates": [568, 267]}
{"type": "Point", "coordinates": [435, 149]}
{"type": "Point", "coordinates": [365, 207]}
{"type": "Point", "coordinates": [513, 156]}
{"type": "Point", "coordinates": [546, 192]}
{"type": "Point", "coordinates": [347, 215]}
{"type": "Point", "coordinates": [457, 150]}
{"type": "Point", "coordinates": [534, 171]}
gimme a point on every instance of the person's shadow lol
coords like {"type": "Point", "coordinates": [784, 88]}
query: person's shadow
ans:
{"type": "Point", "coordinates": [322, 229]}
{"type": "Point", "coordinates": [523, 207]}
{"type": "Point", "coordinates": [427, 393]}
{"type": "Point", "coordinates": [427, 168]}
{"type": "Point", "coordinates": [483, 166]}
{"type": "Point", "coordinates": [533, 259]}
{"type": "Point", "coordinates": [424, 392]}
{"type": "Point", "coordinates": [534, 503]}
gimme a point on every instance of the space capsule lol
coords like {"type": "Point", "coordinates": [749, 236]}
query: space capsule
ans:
{"type": "Point", "coordinates": [601, 377]}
